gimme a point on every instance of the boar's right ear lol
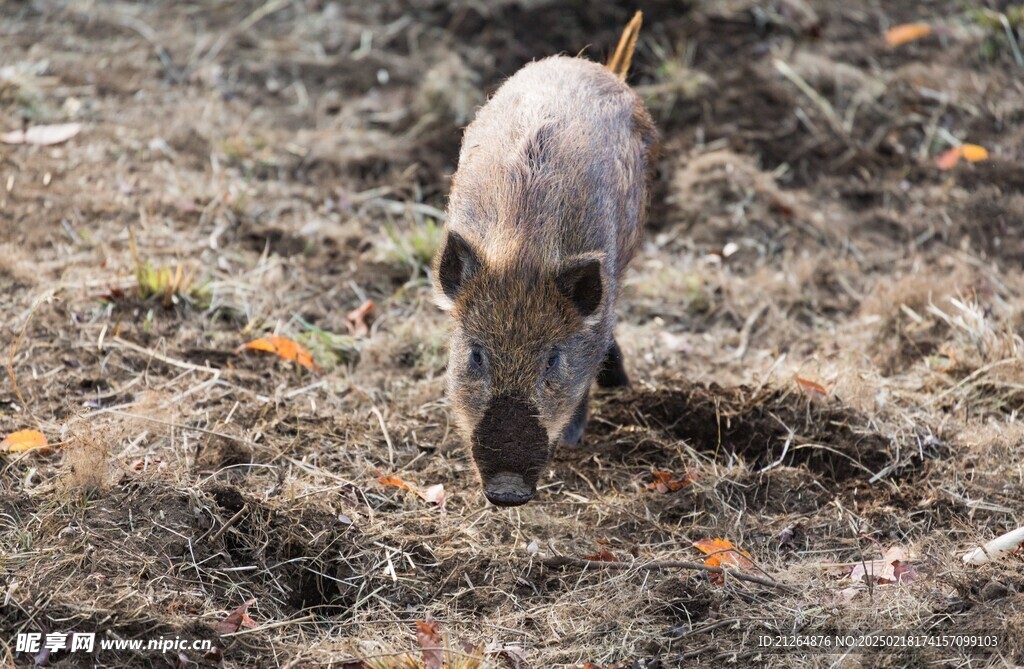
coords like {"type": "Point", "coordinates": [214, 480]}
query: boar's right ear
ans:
{"type": "Point", "coordinates": [456, 264]}
{"type": "Point", "coordinates": [580, 281]}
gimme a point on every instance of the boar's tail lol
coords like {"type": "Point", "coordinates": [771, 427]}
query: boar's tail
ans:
{"type": "Point", "coordinates": [620, 60]}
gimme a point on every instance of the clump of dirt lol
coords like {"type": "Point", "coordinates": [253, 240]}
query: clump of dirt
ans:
{"type": "Point", "coordinates": [722, 197]}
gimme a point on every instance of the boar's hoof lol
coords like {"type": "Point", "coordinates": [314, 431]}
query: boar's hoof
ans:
{"type": "Point", "coordinates": [507, 489]}
{"type": "Point", "coordinates": [613, 372]}
{"type": "Point", "coordinates": [573, 432]}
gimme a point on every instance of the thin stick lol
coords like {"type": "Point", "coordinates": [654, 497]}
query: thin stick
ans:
{"type": "Point", "coordinates": [387, 437]}
{"type": "Point", "coordinates": [566, 561]}
{"type": "Point", "coordinates": [281, 623]}
{"type": "Point", "coordinates": [231, 521]}
{"type": "Point", "coordinates": [830, 114]}
{"type": "Point", "coordinates": [164, 359]}
{"type": "Point", "coordinates": [246, 23]}
{"type": "Point", "coordinates": [1017, 56]}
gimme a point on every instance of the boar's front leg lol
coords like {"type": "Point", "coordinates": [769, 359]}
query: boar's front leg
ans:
{"type": "Point", "coordinates": [613, 373]}
{"type": "Point", "coordinates": [573, 432]}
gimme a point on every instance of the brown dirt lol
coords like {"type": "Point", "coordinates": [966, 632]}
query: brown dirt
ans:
{"type": "Point", "coordinates": [291, 158]}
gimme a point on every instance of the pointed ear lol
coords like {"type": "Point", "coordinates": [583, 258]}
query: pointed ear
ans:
{"type": "Point", "coordinates": [456, 264]}
{"type": "Point", "coordinates": [580, 281]}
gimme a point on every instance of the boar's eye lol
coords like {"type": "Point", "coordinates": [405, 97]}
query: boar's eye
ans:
{"type": "Point", "coordinates": [476, 358]}
{"type": "Point", "coordinates": [554, 357]}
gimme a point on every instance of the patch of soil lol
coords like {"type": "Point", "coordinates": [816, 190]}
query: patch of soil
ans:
{"type": "Point", "coordinates": [292, 559]}
{"type": "Point", "coordinates": [723, 197]}
{"type": "Point", "coordinates": [990, 222]}
{"type": "Point", "coordinates": [1005, 175]}
{"type": "Point", "coordinates": [901, 343]}
{"type": "Point", "coordinates": [307, 552]}
{"type": "Point", "coordinates": [781, 490]}
{"type": "Point", "coordinates": [765, 426]}
{"type": "Point", "coordinates": [274, 240]}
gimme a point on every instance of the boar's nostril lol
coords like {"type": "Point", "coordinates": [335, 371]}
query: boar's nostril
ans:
{"type": "Point", "coordinates": [507, 489]}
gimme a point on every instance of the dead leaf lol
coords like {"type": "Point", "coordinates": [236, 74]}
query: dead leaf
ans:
{"type": "Point", "coordinates": [947, 160]}
{"type": "Point", "coordinates": [393, 481]}
{"type": "Point", "coordinates": [284, 348]}
{"type": "Point", "coordinates": [665, 482]}
{"type": "Point", "coordinates": [512, 657]}
{"type": "Point", "coordinates": [237, 619]}
{"type": "Point", "coordinates": [24, 440]}
{"type": "Point", "coordinates": [811, 388]}
{"type": "Point", "coordinates": [890, 569]}
{"type": "Point", "coordinates": [904, 573]}
{"type": "Point", "coordinates": [359, 319]}
{"type": "Point", "coordinates": [906, 32]}
{"type": "Point", "coordinates": [973, 153]}
{"type": "Point", "coordinates": [603, 555]}
{"type": "Point", "coordinates": [433, 494]}
{"type": "Point", "coordinates": [431, 644]}
{"type": "Point", "coordinates": [722, 553]}
{"type": "Point", "coordinates": [42, 135]}
{"type": "Point", "coordinates": [847, 595]}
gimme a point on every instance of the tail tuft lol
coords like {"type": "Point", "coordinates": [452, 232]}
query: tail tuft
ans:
{"type": "Point", "coordinates": [623, 56]}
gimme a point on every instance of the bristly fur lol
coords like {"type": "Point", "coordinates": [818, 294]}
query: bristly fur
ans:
{"type": "Point", "coordinates": [546, 212]}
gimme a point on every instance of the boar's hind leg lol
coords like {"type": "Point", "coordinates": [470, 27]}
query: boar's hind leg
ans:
{"type": "Point", "coordinates": [573, 432]}
{"type": "Point", "coordinates": [613, 373]}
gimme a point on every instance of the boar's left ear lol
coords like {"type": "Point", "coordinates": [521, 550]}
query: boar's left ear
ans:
{"type": "Point", "coordinates": [456, 264]}
{"type": "Point", "coordinates": [580, 281]}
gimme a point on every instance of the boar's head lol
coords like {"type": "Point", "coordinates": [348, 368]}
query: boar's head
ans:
{"type": "Point", "coordinates": [526, 344]}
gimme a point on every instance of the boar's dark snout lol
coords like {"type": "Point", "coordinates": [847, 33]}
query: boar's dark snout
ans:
{"type": "Point", "coordinates": [506, 489]}
{"type": "Point", "coordinates": [510, 448]}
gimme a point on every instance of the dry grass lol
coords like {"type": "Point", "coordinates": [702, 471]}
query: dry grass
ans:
{"type": "Point", "coordinates": [298, 169]}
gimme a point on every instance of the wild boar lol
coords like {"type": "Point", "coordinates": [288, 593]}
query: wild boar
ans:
{"type": "Point", "coordinates": [545, 212]}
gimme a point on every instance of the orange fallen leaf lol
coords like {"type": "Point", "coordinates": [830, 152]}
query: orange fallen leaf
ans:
{"type": "Point", "coordinates": [974, 153]}
{"type": "Point", "coordinates": [604, 555]}
{"type": "Point", "coordinates": [284, 348]}
{"type": "Point", "coordinates": [394, 481]}
{"type": "Point", "coordinates": [722, 553]}
{"type": "Point", "coordinates": [359, 319]}
{"type": "Point", "coordinates": [433, 494]}
{"type": "Point", "coordinates": [431, 644]}
{"type": "Point", "coordinates": [237, 619]}
{"type": "Point", "coordinates": [811, 388]}
{"type": "Point", "coordinates": [664, 482]}
{"type": "Point", "coordinates": [947, 160]}
{"type": "Point", "coordinates": [24, 440]}
{"type": "Point", "coordinates": [42, 135]}
{"type": "Point", "coordinates": [906, 32]}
